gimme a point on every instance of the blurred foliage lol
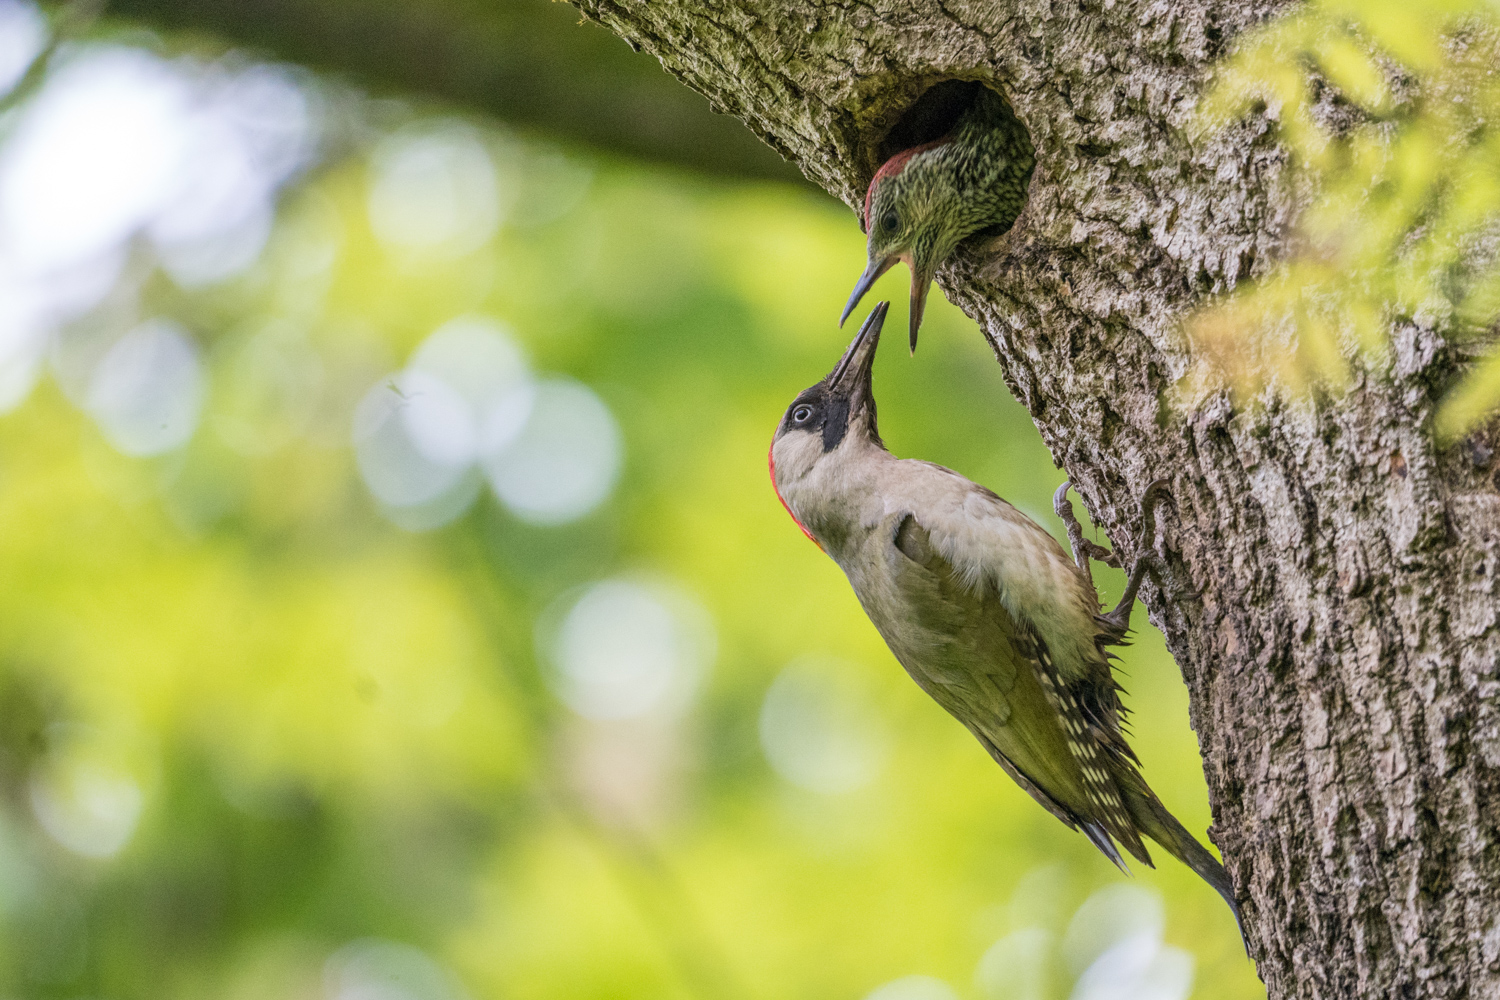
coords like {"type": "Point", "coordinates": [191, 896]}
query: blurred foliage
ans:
{"type": "Point", "coordinates": [256, 740]}
{"type": "Point", "coordinates": [1389, 112]}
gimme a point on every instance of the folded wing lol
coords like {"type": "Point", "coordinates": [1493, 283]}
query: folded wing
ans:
{"type": "Point", "coordinates": [992, 671]}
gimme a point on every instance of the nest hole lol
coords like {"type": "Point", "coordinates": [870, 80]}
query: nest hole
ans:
{"type": "Point", "coordinates": [931, 117]}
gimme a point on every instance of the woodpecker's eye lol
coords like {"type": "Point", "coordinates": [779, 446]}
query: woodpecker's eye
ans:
{"type": "Point", "coordinates": [890, 221]}
{"type": "Point", "coordinates": [802, 414]}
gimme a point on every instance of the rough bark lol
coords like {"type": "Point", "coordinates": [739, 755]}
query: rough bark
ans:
{"type": "Point", "coordinates": [1330, 595]}
{"type": "Point", "coordinates": [527, 62]}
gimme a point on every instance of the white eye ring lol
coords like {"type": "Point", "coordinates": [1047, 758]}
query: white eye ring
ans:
{"type": "Point", "coordinates": [801, 414]}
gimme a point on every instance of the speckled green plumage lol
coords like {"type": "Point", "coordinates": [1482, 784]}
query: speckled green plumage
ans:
{"type": "Point", "coordinates": [974, 180]}
{"type": "Point", "coordinates": [924, 201]}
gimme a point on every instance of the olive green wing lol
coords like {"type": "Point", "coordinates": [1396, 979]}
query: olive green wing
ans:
{"type": "Point", "coordinates": [992, 673]}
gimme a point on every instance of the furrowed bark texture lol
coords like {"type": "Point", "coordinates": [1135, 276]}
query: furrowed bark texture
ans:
{"type": "Point", "coordinates": [1330, 595]}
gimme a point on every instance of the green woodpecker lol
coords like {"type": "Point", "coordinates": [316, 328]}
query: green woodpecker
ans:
{"type": "Point", "coordinates": [925, 200]}
{"type": "Point", "coordinates": [982, 607]}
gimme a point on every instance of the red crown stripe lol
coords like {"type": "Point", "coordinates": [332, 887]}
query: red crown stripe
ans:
{"type": "Point", "coordinates": [894, 166]}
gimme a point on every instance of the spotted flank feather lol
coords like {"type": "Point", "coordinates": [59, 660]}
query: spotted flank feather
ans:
{"type": "Point", "coordinates": [1097, 757]}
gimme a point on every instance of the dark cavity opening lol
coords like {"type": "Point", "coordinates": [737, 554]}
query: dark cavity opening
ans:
{"type": "Point", "coordinates": [931, 117]}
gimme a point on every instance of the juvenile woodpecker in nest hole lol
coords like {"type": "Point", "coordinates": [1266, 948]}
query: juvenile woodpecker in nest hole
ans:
{"type": "Point", "coordinates": [926, 200]}
{"type": "Point", "coordinates": [982, 607]}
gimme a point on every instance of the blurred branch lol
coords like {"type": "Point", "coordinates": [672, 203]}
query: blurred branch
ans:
{"type": "Point", "coordinates": [531, 63]}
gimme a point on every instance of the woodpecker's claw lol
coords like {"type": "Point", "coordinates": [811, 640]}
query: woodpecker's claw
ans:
{"type": "Point", "coordinates": [1145, 552]}
{"type": "Point", "coordinates": [1084, 550]}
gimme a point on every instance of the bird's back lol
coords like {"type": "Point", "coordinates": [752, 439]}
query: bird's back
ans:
{"type": "Point", "coordinates": [993, 548]}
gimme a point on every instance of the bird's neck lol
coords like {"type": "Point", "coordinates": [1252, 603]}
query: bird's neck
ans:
{"type": "Point", "coordinates": [837, 498]}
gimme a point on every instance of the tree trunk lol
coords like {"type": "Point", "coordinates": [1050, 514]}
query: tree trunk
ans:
{"type": "Point", "coordinates": [1330, 590]}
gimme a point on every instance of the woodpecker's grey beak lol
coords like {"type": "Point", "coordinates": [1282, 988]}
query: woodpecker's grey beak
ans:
{"type": "Point", "coordinates": [871, 275]}
{"type": "Point", "coordinates": [854, 368]}
{"type": "Point", "coordinates": [921, 281]}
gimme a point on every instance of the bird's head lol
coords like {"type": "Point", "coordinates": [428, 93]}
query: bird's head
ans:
{"type": "Point", "coordinates": [910, 215]}
{"type": "Point", "coordinates": [828, 421]}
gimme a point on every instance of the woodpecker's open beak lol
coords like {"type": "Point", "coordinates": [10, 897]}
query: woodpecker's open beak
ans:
{"type": "Point", "coordinates": [871, 275]}
{"type": "Point", "coordinates": [921, 281]}
{"type": "Point", "coordinates": [853, 371]}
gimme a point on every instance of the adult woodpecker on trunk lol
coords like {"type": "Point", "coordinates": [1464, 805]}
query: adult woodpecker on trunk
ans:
{"type": "Point", "coordinates": [925, 200]}
{"type": "Point", "coordinates": [983, 609]}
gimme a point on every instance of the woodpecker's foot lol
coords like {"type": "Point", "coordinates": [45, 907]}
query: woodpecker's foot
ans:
{"type": "Point", "coordinates": [1083, 549]}
{"type": "Point", "coordinates": [1145, 553]}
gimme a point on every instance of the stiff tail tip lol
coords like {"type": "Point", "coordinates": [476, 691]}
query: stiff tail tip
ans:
{"type": "Point", "coordinates": [1102, 840]}
{"type": "Point", "coordinates": [1197, 857]}
{"type": "Point", "coordinates": [1162, 827]}
{"type": "Point", "coordinates": [1211, 871]}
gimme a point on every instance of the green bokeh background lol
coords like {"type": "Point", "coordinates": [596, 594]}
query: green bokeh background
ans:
{"type": "Point", "coordinates": [340, 730]}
